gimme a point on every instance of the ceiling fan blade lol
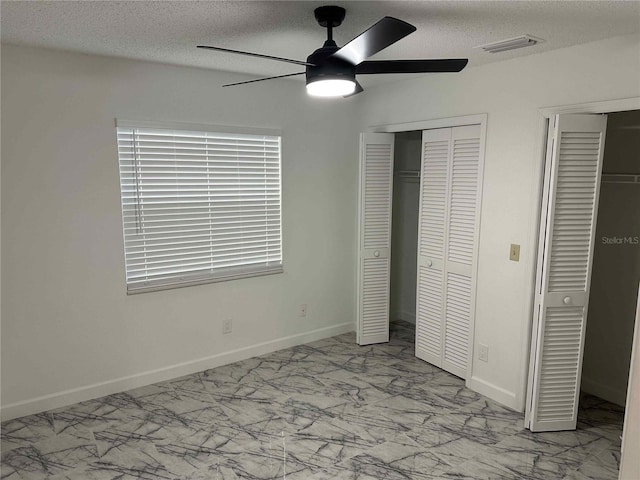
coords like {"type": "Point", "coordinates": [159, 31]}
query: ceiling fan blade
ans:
{"type": "Point", "coordinates": [378, 37]}
{"type": "Point", "coordinates": [259, 55]}
{"type": "Point", "coordinates": [263, 79]}
{"type": "Point", "coordinates": [356, 91]}
{"type": "Point", "coordinates": [411, 66]}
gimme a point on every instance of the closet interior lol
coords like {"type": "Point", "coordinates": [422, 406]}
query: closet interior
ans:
{"type": "Point", "coordinates": [616, 264]}
{"type": "Point", "coordinates": [404, 226]}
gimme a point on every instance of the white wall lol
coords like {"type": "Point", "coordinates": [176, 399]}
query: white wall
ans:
{"type": "Point", "coordinates": [511, 92]}
{"type": "Point", "coordinates": [67, 324]}
{"type": "Point", "coordinates": [404, 228]}
{"type": "Point", "coordinates": [616, 267]}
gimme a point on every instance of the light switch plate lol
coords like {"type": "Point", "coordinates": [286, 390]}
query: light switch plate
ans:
{"type": "Point", "coordinates": [514, 252]}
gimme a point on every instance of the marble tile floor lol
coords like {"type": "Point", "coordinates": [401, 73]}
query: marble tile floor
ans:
{"type": "Point", "coordinates": [325, 410]}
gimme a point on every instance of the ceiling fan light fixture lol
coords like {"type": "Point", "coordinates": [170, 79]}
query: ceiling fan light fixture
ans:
{"type": "Point", "coordinates": [331, 87]}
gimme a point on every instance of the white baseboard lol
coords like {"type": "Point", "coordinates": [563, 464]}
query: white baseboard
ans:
{"type": "Point", "coordinates": [600, 390]}
{"type": "Point", "coordinates": [500, 395]}
{"type": "Point", "coordinates": [75, 395]}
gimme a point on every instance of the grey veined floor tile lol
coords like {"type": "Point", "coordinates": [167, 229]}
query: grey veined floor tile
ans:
{"type": "Point", "coordinates": [26, 431]}
{"type": "Point", "coordinates": [326, 410]}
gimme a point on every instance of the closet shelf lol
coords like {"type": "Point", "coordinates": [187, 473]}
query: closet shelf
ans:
{"type": "Point", "coordinates": [621, 178]}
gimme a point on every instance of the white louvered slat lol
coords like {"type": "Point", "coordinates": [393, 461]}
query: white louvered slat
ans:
{"type": "Point", "coordinates": [558, 363]}
{"type": "Point", "coordinates": [198, 206]}
{"type": "Point", "coordinates": [433, 194]}
{"type": "Point", "coordinates": [464, 193]}
{"type": "Point", "coordinates": [374, 231]}
{"type": "Point", "coordinates": [574, 206]}
{"type": "Point", "coordinates": [429, 313]}
{"type": "Point", "coordinates": [375, 305]}
{"type": "Point", "coordinates": [575, 166]}
{"type": "Point", "coordinates": [377, 196]}
{"type": "Point", "coordinates": [456, 323]}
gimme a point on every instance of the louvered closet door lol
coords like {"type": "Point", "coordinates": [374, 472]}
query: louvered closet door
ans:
{"type": "Point", "coordinates": [434, 192]}
{"type": "Point", "coordinates": [461, 246]}
{"type": "Point", "coordinates": [374, 247]}
{"type": "Point", "coordinates": [448, 231]}
{"type": "Point", "coordinates": [576, 164]}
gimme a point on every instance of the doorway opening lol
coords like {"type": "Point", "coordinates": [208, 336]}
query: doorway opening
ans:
{"type": "Point", "coordinates": [587, 282]}
{"type": "Point", "coordinates": [404, 227]}
{"type": "Point", "coordinates": [614, 283]}
{"type": "Point", "coordinates": [419, 204]}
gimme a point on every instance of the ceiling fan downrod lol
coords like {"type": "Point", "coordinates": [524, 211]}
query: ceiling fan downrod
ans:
{"type": "Point", "coordinates": [329, 16]}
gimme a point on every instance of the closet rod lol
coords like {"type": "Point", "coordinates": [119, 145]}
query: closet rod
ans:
{"type": "Point", "coordinates": [407, 173]}
{"type": "Point", "coordinates": [621, 178]}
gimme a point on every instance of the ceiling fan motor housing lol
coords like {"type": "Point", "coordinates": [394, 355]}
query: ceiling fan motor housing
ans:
{"type": "Point", "coordinates": [325, 67]}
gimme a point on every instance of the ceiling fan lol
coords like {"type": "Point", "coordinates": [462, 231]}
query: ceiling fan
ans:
{"type": "Point", "coordinates": [331, 70]}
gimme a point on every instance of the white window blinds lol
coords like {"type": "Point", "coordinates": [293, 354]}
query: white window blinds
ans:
{"type": "Point", "coordinates": [198, 206]}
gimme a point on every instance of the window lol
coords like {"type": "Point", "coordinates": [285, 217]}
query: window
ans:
{"type": "Point", "coordinates": [198, 206]}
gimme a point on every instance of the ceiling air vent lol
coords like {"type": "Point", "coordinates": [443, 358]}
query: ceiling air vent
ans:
{"type": "Point", "coordinates": [511, 44]}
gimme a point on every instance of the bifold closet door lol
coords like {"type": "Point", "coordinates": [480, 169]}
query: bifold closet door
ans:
{"type": "Point", "coordinates": [567, 239]}
{"type": "Point", "coordinates": [447, 245]}
{"type": "Point", "coordinates": [374, 237]}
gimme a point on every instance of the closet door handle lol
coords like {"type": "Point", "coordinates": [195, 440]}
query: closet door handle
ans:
{"type": "Point", "coordinates": [376, 253]}
{"type": "Point", "coordinates": [566, 300]}
{"type": "Point", "coordinates": [429, 263]}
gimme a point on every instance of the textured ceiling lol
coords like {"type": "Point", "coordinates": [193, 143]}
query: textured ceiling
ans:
{"type": "Point", "coordinates": [167, 31]}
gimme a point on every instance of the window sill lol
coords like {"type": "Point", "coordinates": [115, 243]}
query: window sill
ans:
{"type": "Point", "coordinates": [145, 287]}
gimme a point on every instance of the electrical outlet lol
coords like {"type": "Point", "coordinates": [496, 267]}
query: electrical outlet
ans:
{"type": "Point", "coordinates": [302, 310]}
{"type": "Point", "coordinates": [483, 352]}
{"type": "Point", "coordinates": [227, 326]}
{"type": "Point", "coordinates": [514, 252]}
